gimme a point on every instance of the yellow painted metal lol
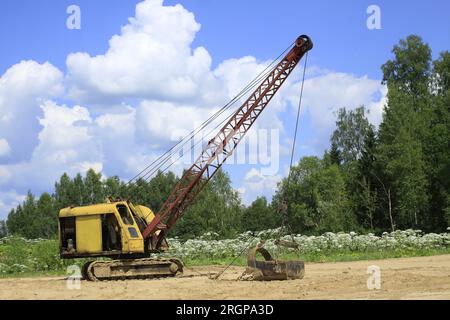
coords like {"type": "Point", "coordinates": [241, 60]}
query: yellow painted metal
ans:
{"type": "Point", "coordinates": [144, 212]}
{"type": "Point", "coordinates": [89, 234]}
{"type": "Point", "coordinates": [89, 228]}
{"type": "Point", "coordinates": [136, 245]}
{"type": "Point", "coordinates": [101, 208]}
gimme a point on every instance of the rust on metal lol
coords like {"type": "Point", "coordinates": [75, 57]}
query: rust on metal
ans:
{"type": "Point", "coordinates": [271, 269]}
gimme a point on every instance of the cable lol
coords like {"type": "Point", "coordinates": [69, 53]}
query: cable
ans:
{"type": "Point", "coordinates": [158, 164]}
{"type": "Point", "coordinates": [292, 157]}
{"type": "Point", "coordinates": [167, 158]}
{"type": "Point", "coordinates": [207, 122]}
{"type": "Point", "coordinates": [283, 210]}
{"type": "Point", "coordinates": [298, 117]}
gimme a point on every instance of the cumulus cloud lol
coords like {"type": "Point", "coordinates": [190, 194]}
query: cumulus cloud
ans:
{"type": "Point", "coordinates": [255, 184]}
{"type": "Point", "coordinates": [65, 145]}
{"type": "Point", "coordinates": [151, 57]}
{"type": "Point", "coordinates": [22, 88]}
{"type": "Point", "coordinates": [8, 201]}
{"type": "Point", "coordinates": [325, 92]}
{"type": "Point", "coordinates": [5, 149]}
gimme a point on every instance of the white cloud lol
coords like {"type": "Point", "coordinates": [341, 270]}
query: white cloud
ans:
{"type": "Point", "coordinates": [65, 145]}
{"type": "Point", "coordinates": [165, 121]}
{"type": "Point", "coordinates": [22, 88]}
{"type": "Point", "coordinates": [255, 184]}
{"type": "Point", "coordinates": [150, 58]}
{"type": "Point", "coordinates": [8, 201]}
{"type": "Point", "coordinates": [5, 149]}
{"type": "Point", "coordinates": [325, 93]}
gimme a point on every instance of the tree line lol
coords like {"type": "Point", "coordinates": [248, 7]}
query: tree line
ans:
{"type": "Point", "coordinates": [372, 179]}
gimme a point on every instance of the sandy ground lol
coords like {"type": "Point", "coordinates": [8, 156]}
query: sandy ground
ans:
{"type": "Point", "coordinates": [406, 278]}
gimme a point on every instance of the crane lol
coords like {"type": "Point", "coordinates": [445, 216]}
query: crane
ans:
{"type": "Point", "coordinates": [130, 233]}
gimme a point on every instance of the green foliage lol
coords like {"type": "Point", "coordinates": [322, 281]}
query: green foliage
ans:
{"type": "Point", "coordinates": [20, 255]}
{"type": "Point", "coordinates": [348, 138]}
{"type": "Point", "coordinates": [316, 197]}
{"type": "Point", "coordinates": [24, 256]}
{"type": "Point", "coordinates": [410, 69]}
{"type": "Point", "coordinates": [217, 209]}
{"type": "Point", "coordinates": [34, 218]}
{"type": "Point", "coordinates": [259, 216]}
{"type": "Point", "coordinates": [414, 135]}
{"type": "Point", "coordinates": [3, 229]}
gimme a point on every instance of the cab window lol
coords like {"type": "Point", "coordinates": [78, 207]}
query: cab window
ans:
{"type": "Point", "coordinates": [125, 214]}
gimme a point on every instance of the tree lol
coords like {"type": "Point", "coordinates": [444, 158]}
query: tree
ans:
{"type": "Point", "coordinates": [348, 137]}
{"type": "Point", "coordinates": [366, 186]}
{"type": "Point", "coordinates": [34, 219]}
{"type": "Point", "coordinates": [335, 154]}
{"type": "Point", "coordinates": [113, 187]}
{"type": "Point", "coordinates": [402, 131]}
{"type": "Point", "coordinates": [93, 188]}
{"type": "Point", "coordinates": [409, 71]}
{"type": "Point", "coordinates": [21, 220]}
{"type": "Point", "coordinates": [217, 208]}
{"type": "Point", "coordinates": [46, 220]}
{"type": "Point", "coordinates": [160, 187]}
{"type": "Point", "coordinates": [258, 216]}
{"type": "Point", "coordinates": [316, 197]}
{"type": "Point", "coordinates": [3, 229]}
{"type": "Point", "coordinates": [67, 193]}
{"type": "Point", "coordinates": [436, 147]}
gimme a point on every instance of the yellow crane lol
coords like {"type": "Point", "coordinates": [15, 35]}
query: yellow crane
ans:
{"type": "Point", "coordinates": [130, 233]}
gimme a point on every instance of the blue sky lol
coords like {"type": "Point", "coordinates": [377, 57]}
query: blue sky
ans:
{"type": "Point", "coordinates": [78, 98]}
{"type": "Point", "coordinates": [36, 29]}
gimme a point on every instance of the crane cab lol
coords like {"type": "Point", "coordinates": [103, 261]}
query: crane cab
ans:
{"type": "Point", "coordinates": [106, 229]}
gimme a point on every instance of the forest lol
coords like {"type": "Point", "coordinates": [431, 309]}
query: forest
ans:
{"type": "Point", "coordinates": [393, 177]}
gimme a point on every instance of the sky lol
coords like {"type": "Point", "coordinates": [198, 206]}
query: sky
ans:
{"type": "Point", "coordinates": [120, 90]}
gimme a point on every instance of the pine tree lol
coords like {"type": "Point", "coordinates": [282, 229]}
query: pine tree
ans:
{"type": "Point", "coordinates": [67, 193]}
{"type": "Point", "coordinates": [366, 184]}
{"type": "Point", "coordinates": [258, 216]}
{"type": "Point", "coordinates": [405, 123]}
{"type": "Point", "coordinates": [46, 220]}
{"type": "Point", "coordinates": [93, 188]}
{"type": "Point", "coordinates": [3, 229]}
{"type": "Point", "coordinates": [335, 154]}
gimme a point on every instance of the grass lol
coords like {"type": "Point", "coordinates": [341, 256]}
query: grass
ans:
{"type": "Point", "coordinates": [33, 274]}
{"type": "Point", "coordinates": [30, 258]}
{"type": "Point", "coordinates": [324, 257]}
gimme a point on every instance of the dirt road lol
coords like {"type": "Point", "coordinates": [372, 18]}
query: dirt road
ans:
{"type": "Point", "coordinates": [408, 278]}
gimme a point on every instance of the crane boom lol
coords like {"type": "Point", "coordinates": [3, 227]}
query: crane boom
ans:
{"type": "Point", "coordinates": [222, 146]}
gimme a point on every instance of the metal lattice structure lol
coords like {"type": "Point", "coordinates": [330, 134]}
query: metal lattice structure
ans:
{"type": "Point", "coordinates": [222, 145]}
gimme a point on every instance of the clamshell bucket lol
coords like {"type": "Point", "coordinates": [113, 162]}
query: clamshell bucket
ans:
{"type": "Point", "coordinates": [271, 269]}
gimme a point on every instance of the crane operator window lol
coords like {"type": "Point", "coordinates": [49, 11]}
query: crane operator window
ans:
{"type": "Point", "coordinates": [124, 214]}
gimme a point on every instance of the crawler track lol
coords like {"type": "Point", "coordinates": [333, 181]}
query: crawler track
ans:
{"type": "Point", "coordinates": [132, 269]}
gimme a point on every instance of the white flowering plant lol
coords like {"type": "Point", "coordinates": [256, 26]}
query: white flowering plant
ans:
{"type": "Point", "coordinates": [20, 255]}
